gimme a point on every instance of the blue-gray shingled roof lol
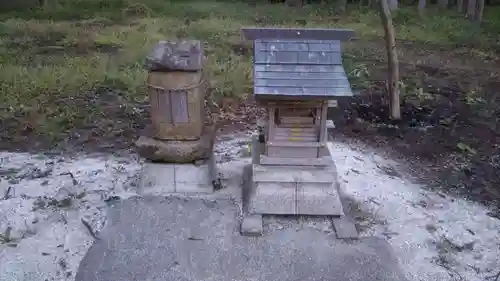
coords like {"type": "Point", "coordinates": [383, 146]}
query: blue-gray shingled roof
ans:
{"type": "Point", "coordinates": [296, 68]}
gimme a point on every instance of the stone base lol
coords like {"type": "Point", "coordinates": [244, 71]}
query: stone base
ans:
{"type": "Point", "coordinates": [163, 178]}
{"type": "Point", "coordinates": [345, 228]}
{"type": "Point", "coordinates": [177, 151]}
{"type": "Point", "coordinates": [292, 191]}
{"type": "Point", "coordinates": [251, 225]}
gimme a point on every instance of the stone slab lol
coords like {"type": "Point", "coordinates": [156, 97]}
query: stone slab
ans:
{"type": "Point", "coordinates": [318, 199]}
{"type": "Point", "coordinates": [257, 149]}
{"type": "Point", "coordinates": [181, 55]}
{"type": "Point", "coordinates": [162, 178]}
{"type": "Point", "coordinates": [251, 225]}
{"type": "Point", "coordinates": [273, 198]}
{"type": "Point", "coordinates": [157, 178]}
{"type": "Point", "coordinates": [263, 173]}
{"type": "Point", "coordinates": [177, 151]}
{"type": "Point", "coordinates": [181, 239]}
{"type": "Point", "coordinates": [345, 228]}
{"type": "Point", "coordinates": [286, 198]}
{"type": "Point", "coordinates": [291, 191]}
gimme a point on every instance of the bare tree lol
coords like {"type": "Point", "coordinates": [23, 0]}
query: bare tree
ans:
{"type": "Point", "coordinates": [392, 58]}
{"type": "Point", "coordinates": [460, 6]}
{"type": "Point", "coordinates": [421, 7]}
{"type": "Point", "coordinates": [443, 4]}
{"type": "Point", "coordinates": [471, 9]}
{"type": "Point", "coordinates": [342, 5]}
{"type": "Point", "coordinates": [478, 17]}
{"type": "Point", "coordinates": [392, 4]}
{"type": "Point", "coordinates": [296, 3]}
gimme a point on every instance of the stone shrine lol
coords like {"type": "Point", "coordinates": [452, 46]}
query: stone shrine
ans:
{"type": "Point", "coordinates": [179, 148]}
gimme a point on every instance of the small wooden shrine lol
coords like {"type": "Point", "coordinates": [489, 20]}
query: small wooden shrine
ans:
{"type": "Point", "coordinates": [297, 74]}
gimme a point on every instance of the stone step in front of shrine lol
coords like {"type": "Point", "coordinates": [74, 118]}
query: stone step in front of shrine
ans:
{"type": "Point", "coordinates": [293, 191]}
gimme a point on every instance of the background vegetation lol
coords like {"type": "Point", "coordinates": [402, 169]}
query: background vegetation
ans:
{"type": "Point", "coordinates": [72, 77]}
{"type": "Point", "coordinates": [56, 58]}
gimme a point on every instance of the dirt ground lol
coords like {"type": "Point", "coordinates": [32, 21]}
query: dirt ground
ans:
{"type": "Point", "coordinates": [448, 128]}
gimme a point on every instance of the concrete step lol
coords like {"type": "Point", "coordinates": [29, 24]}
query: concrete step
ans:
{"type": "Point", "coordinates": [289, 198]}
{"type": "Point", "coordinates": [301, 174]}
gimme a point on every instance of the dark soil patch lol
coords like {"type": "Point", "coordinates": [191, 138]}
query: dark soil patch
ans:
{"type": "Point", "coordinates": [448, 131]}
{"type": "Point", "coordinates": [53, 43]}
{"type": "Point", "coordinates": [106, 122]}
{"type": "Point", "coordinates": [78, 49]}
{"type": "Point", "coordinates": [241, 49]}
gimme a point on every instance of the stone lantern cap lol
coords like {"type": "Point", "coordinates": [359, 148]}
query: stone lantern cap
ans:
{"type": "Point", "coordinates": [180, 55]}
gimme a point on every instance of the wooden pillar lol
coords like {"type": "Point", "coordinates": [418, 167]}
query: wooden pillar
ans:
{"type": "Point", "coordinates": [270, 130]}
{"type": "Point", "coordinates": [322, 128]}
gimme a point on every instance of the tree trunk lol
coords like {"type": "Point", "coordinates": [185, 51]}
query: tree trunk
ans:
{"type": "Point", "coordinates": [342, 5]}
{"type": "Point", "coordinates": [393, 4]}
{"type": "Point", "coordinates": [443, 4]}
{"type": "Point", "coordinates": [471, 9]}
{"type": "Point", "coordinates": [421, 7]}
{"type": "Point", "coordinates": [392, 58]}
{"type": "Point", "coordinates": [478, 17]}
{"type": "Point", "coordinates": [294, 3]}
{"type": "Point", "coordinates": [460, 6]}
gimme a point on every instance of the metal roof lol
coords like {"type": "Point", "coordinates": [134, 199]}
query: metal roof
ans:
{"type": "Point", "coordinates": [298, 68]}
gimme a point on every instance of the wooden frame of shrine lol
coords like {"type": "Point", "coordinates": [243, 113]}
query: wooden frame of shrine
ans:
{"type": "Point", "coordinates": [296, 73]}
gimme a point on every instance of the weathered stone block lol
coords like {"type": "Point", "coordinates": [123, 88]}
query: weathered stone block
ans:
{"type": "Point", "coordinates": [257, 149]}
{"type": "Point", "coordinates": [292, 190]}
{"type": "Point", "coordinates": [177, 151]}
{"type": "Point", "coordinates": [263, 173]}
{"type": "Point", "coordinates": [188, 173]}
{"type": "Point", "coordinates": [161, 178]}
{"type": "Point", "coordinates": [272, 198]}
{"type": "Point", "coordinates": [345, 228]}
{"type": "Point", "coordinates": [184, 55]}
{"type": "Point", "coordinates": [318, 199]}
{"type": "Point", "coordinates": [251, 225]}
{"type": "Point", "coordinates": [157, 178]}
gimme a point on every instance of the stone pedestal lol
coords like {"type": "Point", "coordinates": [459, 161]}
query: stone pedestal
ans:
{"type": "Point", "coordinates": [178, 166]}
{"type": "Point", "coordinates": [176, 89]}
{"type": "Point", "coordinates": [177, 151]}
{"type": "Point", "coordinates": [287, 190]}
{"type": "Point", "coordinates": [179, 147]}
{"type": "Point", "coordinates": [163, 178]}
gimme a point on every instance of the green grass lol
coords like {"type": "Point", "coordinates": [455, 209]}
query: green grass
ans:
{"type": "Point", "coordinates": [53, 56]}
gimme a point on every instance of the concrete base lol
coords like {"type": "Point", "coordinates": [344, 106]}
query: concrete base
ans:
{"type": "Point", "coordinates": [175, 151]}
{"type": "Point", "coordinates": [290, 190]}
{"type": "Point", "coordinates": [162, 178]}
{"type": "Point", "coordinates": [251, 225]}
{"type": "Point", "coordinates": [345, 228]}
